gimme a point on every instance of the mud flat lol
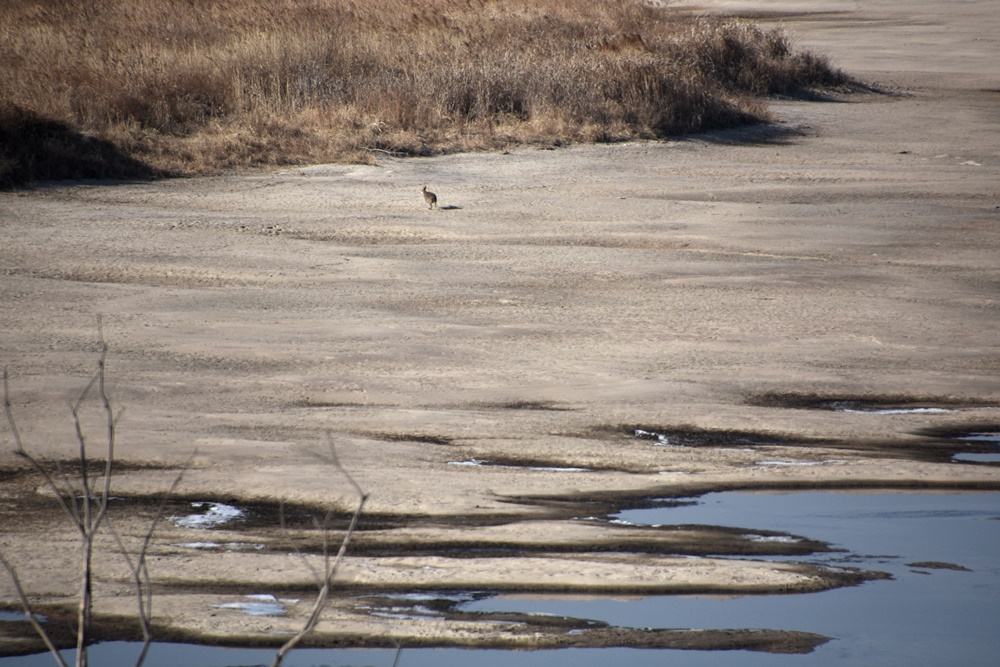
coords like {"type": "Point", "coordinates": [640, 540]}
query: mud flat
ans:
{"type": "Point", "coordinates": [572, 333]}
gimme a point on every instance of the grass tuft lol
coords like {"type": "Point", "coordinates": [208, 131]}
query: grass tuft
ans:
{"type": "Point", "coordinates": [144, 88]}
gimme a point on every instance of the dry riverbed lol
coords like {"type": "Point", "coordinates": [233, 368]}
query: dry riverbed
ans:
{"type": "Point", "coordinates": [808, 304]}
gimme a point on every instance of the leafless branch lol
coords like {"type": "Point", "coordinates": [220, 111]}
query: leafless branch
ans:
{"type": "Point", "coordinates": [138, 567]}
{"type": "Point", "coordinates": [68, 506]}
{"type": "Point", "coordinates": [330, 566]}
{"type": "Point", "coordinates": [18, 448]}
{"type": "Point", "coordinates": [295, 548]}
{"type": "Point", "coordinates": [26, 605]}
{"type": "Point", "coordinates": [86, 511]}
{"type": "Point", "coordinates": [112, 419]}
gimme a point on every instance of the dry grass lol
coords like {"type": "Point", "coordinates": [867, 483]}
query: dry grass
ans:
{"type": "Point", "coordinates": [139, 88]}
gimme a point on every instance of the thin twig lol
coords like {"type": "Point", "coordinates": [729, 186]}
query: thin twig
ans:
{"type": "Point", "coordinates": [92, 521]}
{"type": "Point", "coordinates": [112, 420]}
{"type": "Point", "coordinates": [26, 605]}
{"type": "Point", "coordinates": [85, 520]}
{"type": "Point", "coordinates": [71, 494]}
{"type": "Point", "coordinates": [21, 452]}
{"type": "Point", "coordinates": [140, 572]}
{"type": "Point", "coordinates": [324, 591]}
{"type": "Point", "coordinates": [291, 543]}
{"type": "Point", "coordinates": [81, 510]}
{"type": "Point", "coordinates": [18, 449]}
{"type": "Point", "coordinates": [86, 601]}
{"type": "Point", "coordinates": [330, 567]}
{"type": "Point", "coordinates": [82, 443]}
{"type": "Point", "coordinates": [382, 150]}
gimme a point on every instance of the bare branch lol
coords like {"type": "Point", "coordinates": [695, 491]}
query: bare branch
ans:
{"type": "Point", "coordinates": [86, 600]}
{"type": "Point", "coordinates": [291, 543]}
{"type": "Point", "coordinates": [18, 449]}
{"type": "Point", "coordinates": [330, 568]}
{"type": "Point", "coordinates": [71, 492]}
{"type": "Point", "coordinates": [82, 443]}
{"type": "Point", "coordinates": [84, 479]}
{"type": "Point", "coordinates": [26, 605]}
{"type": "Point", "coordinates": [111, 418]}
{"type": "Point", "coordinates": [335, 459]}
{"type": "Point", "coordinates": [88, 510]}
{"type": "Point", "coordinates": [140, 572]}
{"type": "Point", "coordinates": [67, 500]}
{"type": "Point", "coordinates": [168, 494]}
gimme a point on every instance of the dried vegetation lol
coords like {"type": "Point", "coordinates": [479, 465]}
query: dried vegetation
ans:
{"type": "Point", "coordinates": [140, 88]}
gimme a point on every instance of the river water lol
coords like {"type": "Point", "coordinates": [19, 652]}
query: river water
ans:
{"type": "Point", "coordinates": [942, 606]}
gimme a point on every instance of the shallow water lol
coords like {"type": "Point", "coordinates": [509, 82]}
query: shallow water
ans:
{"type": "Point", "coordinates": [480, 463]}
{"type": "Point", "coordinates": [977, 458]}
{"type": "Point", "coordinates": [123, 654]}
{"type": "Point", "coordinates": [989, 438]}
{"type": "Point", "coordinates": [926, 616]}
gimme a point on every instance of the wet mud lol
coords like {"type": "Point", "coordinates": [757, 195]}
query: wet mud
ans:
{"type": "Point", "coordinates": [214, 527]}
{"type": "Point", "coordinates": [803, 305]}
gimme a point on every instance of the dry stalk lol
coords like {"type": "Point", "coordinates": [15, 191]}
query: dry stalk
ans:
{"type": "Point", "coordinates": [138, 567]}
{"type": "Point", "coordinates": [86, 505]}
{"type": "Point", "coordinates": [175, 86]}
{"type": "Point", "coordinates": [330, 566]}
{"type": "Point", "coordinates": [29, 613]}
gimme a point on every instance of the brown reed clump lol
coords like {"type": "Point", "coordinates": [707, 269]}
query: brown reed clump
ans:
{"type": "Point", "coordinates": [139, 88]}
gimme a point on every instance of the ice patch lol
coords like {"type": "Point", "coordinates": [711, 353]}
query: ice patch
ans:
{"type": "Point", "coordinates": [258, 605]}
{"type": "Point", "coordinates": [409, 613]}
{"type": "Point", "coordinates": [853, 407]}
{"type": "Point", "coordinates": [898, 411]}
{"type": "Point", "coordinates": [661, 439]}
{"type": "Point", "coordinates": [394, 605]}
{"type": "Point", "coordinates": [799, 463]}
{"type": "Point", "coordinates": [216, 515]}
{"type": "Point", "coordinates": [486, 463]}
{"type": "Point", "coordinates": [228, 546]}
{"type": "Point", "coordinates": [781, 539]}
{"type": "Point", "coordinates": [427, 597]}
{"type": "Point", "coordinates": [982, 437]}
{"type": "Point", "coordinates": [623, 522]}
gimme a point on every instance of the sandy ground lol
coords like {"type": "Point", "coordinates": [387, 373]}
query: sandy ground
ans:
{"type": "Point", "coordinates": [556, 302]}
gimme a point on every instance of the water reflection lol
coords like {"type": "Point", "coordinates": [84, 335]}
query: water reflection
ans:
{"type": "Point", "coordinates": [924, 617]}
{"type": "Point", "coordinates": [945, 617]}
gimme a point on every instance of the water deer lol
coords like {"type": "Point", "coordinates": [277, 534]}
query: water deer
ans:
{"type": "Point", "coordinates": [430, 198]}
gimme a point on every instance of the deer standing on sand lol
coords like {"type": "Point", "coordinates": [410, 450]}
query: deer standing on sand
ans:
{"type": "Point", "coordinates": [430, 198]}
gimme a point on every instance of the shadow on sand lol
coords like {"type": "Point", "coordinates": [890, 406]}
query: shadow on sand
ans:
{"type": "Point", "coordinates": [34, 148]}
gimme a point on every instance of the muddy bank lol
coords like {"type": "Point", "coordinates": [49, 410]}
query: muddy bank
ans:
{"type": "Point", "coordinates": [403, 585]}
{"type": "Point", "coordinates": [574, 331]}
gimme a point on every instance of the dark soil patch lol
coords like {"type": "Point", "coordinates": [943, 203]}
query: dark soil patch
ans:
{"type": "Point", "coordinates": [936, 565]}
{"type": "Point", "coordinates": [863, 403]}
{"type": "Point", "coordinates": [412, 437]}
{"type": "Point", "coordinates": [939, 445]}
{"type": "Point", "coordinates": [692, 436]}
{"type": "Point", "coordinates": [529, 405]}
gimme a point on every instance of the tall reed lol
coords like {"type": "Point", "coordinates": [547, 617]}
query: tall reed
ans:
{"type": "Point", "coordinates": [194, 86]}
